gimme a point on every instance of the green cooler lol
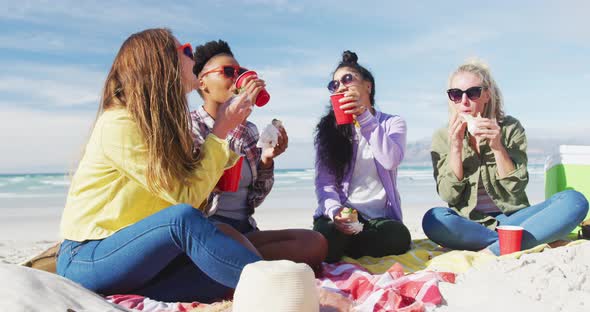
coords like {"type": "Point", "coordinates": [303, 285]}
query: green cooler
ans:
{"type": "Point", "coordinates": [568, 169]}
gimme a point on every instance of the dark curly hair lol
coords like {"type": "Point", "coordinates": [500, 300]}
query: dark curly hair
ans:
{"type": "Point", "coordinates": [207, 51]}
{"type": "Point", "coordinates": [333, 142]}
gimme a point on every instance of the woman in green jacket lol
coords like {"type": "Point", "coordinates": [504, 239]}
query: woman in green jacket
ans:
{"type": "Point", "coordinates": [480, 168]}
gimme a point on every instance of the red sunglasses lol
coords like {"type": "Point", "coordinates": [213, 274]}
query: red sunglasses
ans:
{"type": "Point", "coordinates": [187, 49]}
{"type": "Point", "coordinates": [229, 71]}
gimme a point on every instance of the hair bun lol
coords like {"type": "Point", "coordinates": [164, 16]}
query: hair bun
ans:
{"type": "Point", "coordinates": [349, 57]}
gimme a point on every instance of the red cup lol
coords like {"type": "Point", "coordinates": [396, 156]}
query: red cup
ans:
{"type": "Point", "coordinates": [263, 97]}
{"type": "Point", "coordinates": [510, 238]}
{"type": "Point", "coordinates": [230, 180]}
{"type": "Point", "coordinates": [341, 117]}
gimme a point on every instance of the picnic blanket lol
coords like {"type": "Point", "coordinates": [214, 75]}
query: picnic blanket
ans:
{"type": "Point", "coordinates": [392, 290]}
{"type": "Point", "coordinates": [141, 303]}
{"type": "Point", "coordinates": [407, 282]}
{"type": "Point", "coordinates": [393, 283]}
{"type": "Point", "coordinates": [416, 259]}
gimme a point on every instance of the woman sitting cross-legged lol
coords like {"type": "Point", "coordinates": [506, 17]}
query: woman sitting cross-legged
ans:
{"type": "Point", "coordinates": [131, 222]}
{"type": "Point", "coordinates": [480, 168]}
{"type": "Point", "coordinates": [217, 70]}
{"type": "Point", "coordinates": [356, 167]}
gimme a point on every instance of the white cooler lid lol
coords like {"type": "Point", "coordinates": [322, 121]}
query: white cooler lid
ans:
{"type": "Point", "coordinates": [569, 155]}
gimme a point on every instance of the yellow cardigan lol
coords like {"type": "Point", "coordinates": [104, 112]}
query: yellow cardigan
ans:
{"type": "Point", "coordinates": [109, 190]}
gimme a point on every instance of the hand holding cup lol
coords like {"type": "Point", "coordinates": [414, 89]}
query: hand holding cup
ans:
{"type": "Point", "coordinates": [351, 103]}
{"type": "Point", "coordinates": [230, 114]}
{"type": "Point", "coordinates": [256, 88]}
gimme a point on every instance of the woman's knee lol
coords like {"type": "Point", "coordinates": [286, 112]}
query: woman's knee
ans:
{"type": "Point", "coordinates": [318, 242]}
{"type": "Point", "coordinates": [234, 234]}
{"type": "Point", "coordinates": [433, 219]}
{"type": "Point", "coordinates": [310, 242]}
{"type": "Point", "coordinates": [575, 203]}
{"type": "Point", "coordinates": [183, 211]}
{"type": "Point", "coordinates": [397, 237]}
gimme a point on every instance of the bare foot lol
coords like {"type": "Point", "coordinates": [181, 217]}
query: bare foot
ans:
{"type": "Point", "coordinates": [333, 302]}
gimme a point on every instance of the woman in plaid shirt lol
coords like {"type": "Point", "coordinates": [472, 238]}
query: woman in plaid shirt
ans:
{"type": "Point", "coordinates": [216, 70]}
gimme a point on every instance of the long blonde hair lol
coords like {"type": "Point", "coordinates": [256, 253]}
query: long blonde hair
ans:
{"type": "Point", "coordinates": [145, 78]}
{"type": "Point", "coordinates": [495, 106]}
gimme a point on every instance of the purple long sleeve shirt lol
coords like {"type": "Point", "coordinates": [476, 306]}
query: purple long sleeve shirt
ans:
{"type": "Point", "coordinates": [386, 135]}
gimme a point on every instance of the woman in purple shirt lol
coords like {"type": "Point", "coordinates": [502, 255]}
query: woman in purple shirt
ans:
{"type": "Point", "coordinates": [356, 167]}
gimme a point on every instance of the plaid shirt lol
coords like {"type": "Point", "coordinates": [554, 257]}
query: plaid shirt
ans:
{"type": "Point", "coordinates": [242, 140]}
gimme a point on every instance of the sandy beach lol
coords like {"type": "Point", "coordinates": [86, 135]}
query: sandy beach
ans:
{"type": "Point", "coordinates": [554, 280]}
{"type": "Point", "coordinates": [27, 231]}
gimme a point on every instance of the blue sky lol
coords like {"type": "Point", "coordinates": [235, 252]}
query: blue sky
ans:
{"type": "Point", "coordinates": [55, 55]}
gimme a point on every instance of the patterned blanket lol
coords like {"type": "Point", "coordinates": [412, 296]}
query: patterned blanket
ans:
{"type": "Point", "coordinates": [390, 291]}
{"type": "Point", "coordinates": [393, 283]}
{"type": "Point", "coordinates": [407, 282]}
{"type": "Point", "coordinates": [141, 303]}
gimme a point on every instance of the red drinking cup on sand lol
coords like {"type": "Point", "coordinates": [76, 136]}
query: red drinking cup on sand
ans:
{"type": "Point", "coordinates": [510, 237]}
{"type": "Point", "coordinates": [341, 117]}
{"type": "Point", "coordinates": [263, 96]}
{"type": "Point", "coordinates": [230, 180]}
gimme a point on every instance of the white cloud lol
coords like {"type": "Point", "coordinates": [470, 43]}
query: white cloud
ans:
{"type": "Point", "coordinates": [43, 42]}
{"type": "Point", "coordinates": [280, 5]}
{"type": "Point", "coordinates": [105, 13]}
{"type": "Point", "coordinates": [423, 112]}
{"type": "Point", "coordinates": [42, 141]}
{"type": "Point", "coordinates": [50, 85]}
{"type": "Point", "coordinates": [300, 72]}
{"type": "Point", "coordinates": [555, 21]}
{"type": "Point", "coordinates": [452, 38]}
{"type": "Point", "coordinates": [47, 92]}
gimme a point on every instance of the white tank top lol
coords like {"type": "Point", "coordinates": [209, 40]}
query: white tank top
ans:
{"type": "Point", "coordinates": [366, 192]}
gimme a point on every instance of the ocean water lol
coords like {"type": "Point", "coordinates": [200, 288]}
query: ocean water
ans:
{"type": "Point", "coordinates": [415, 183]}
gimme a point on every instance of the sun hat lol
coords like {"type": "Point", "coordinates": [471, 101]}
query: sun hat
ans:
{"type": "Point", "coordinates": [277, 286]}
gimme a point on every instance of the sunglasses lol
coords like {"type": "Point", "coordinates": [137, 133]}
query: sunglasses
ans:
{"type": "Point", "coordinates": [187, 49]}
{"type": "Point", "coordinates": [229, 71]}
{"type": "Point", "coordinates": [456, 95]}
{"type": "Point", "coordinates": [346, 80]}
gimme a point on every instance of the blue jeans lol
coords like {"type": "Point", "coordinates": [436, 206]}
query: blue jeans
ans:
{"type": "Point", "coordinates": [173, 255]}
{"type": "Point", "coordinates": [542, 223]}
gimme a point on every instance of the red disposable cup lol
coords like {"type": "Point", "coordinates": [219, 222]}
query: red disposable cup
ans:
{"type": "Point", "coordinates": [230, 180]}
{"type": "Point", "coordinates": [341, 117]}
{"type": "Point", "coordinates": [510, 238]}
{"type": "Point", "coordinates": [263, 97]}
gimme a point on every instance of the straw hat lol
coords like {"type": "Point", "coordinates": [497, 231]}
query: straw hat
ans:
{"type": "Point", "coordinates": [277, 286]}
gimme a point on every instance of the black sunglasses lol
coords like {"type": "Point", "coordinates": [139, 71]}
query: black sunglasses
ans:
{"type": "Point", "coordinates": [473, 93]}
{"type": "Point", "coordinates": [346, 80]}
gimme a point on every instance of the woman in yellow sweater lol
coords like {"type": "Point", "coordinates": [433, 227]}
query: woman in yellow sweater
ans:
{"type": "Point", "coordinates": [131, 222]}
